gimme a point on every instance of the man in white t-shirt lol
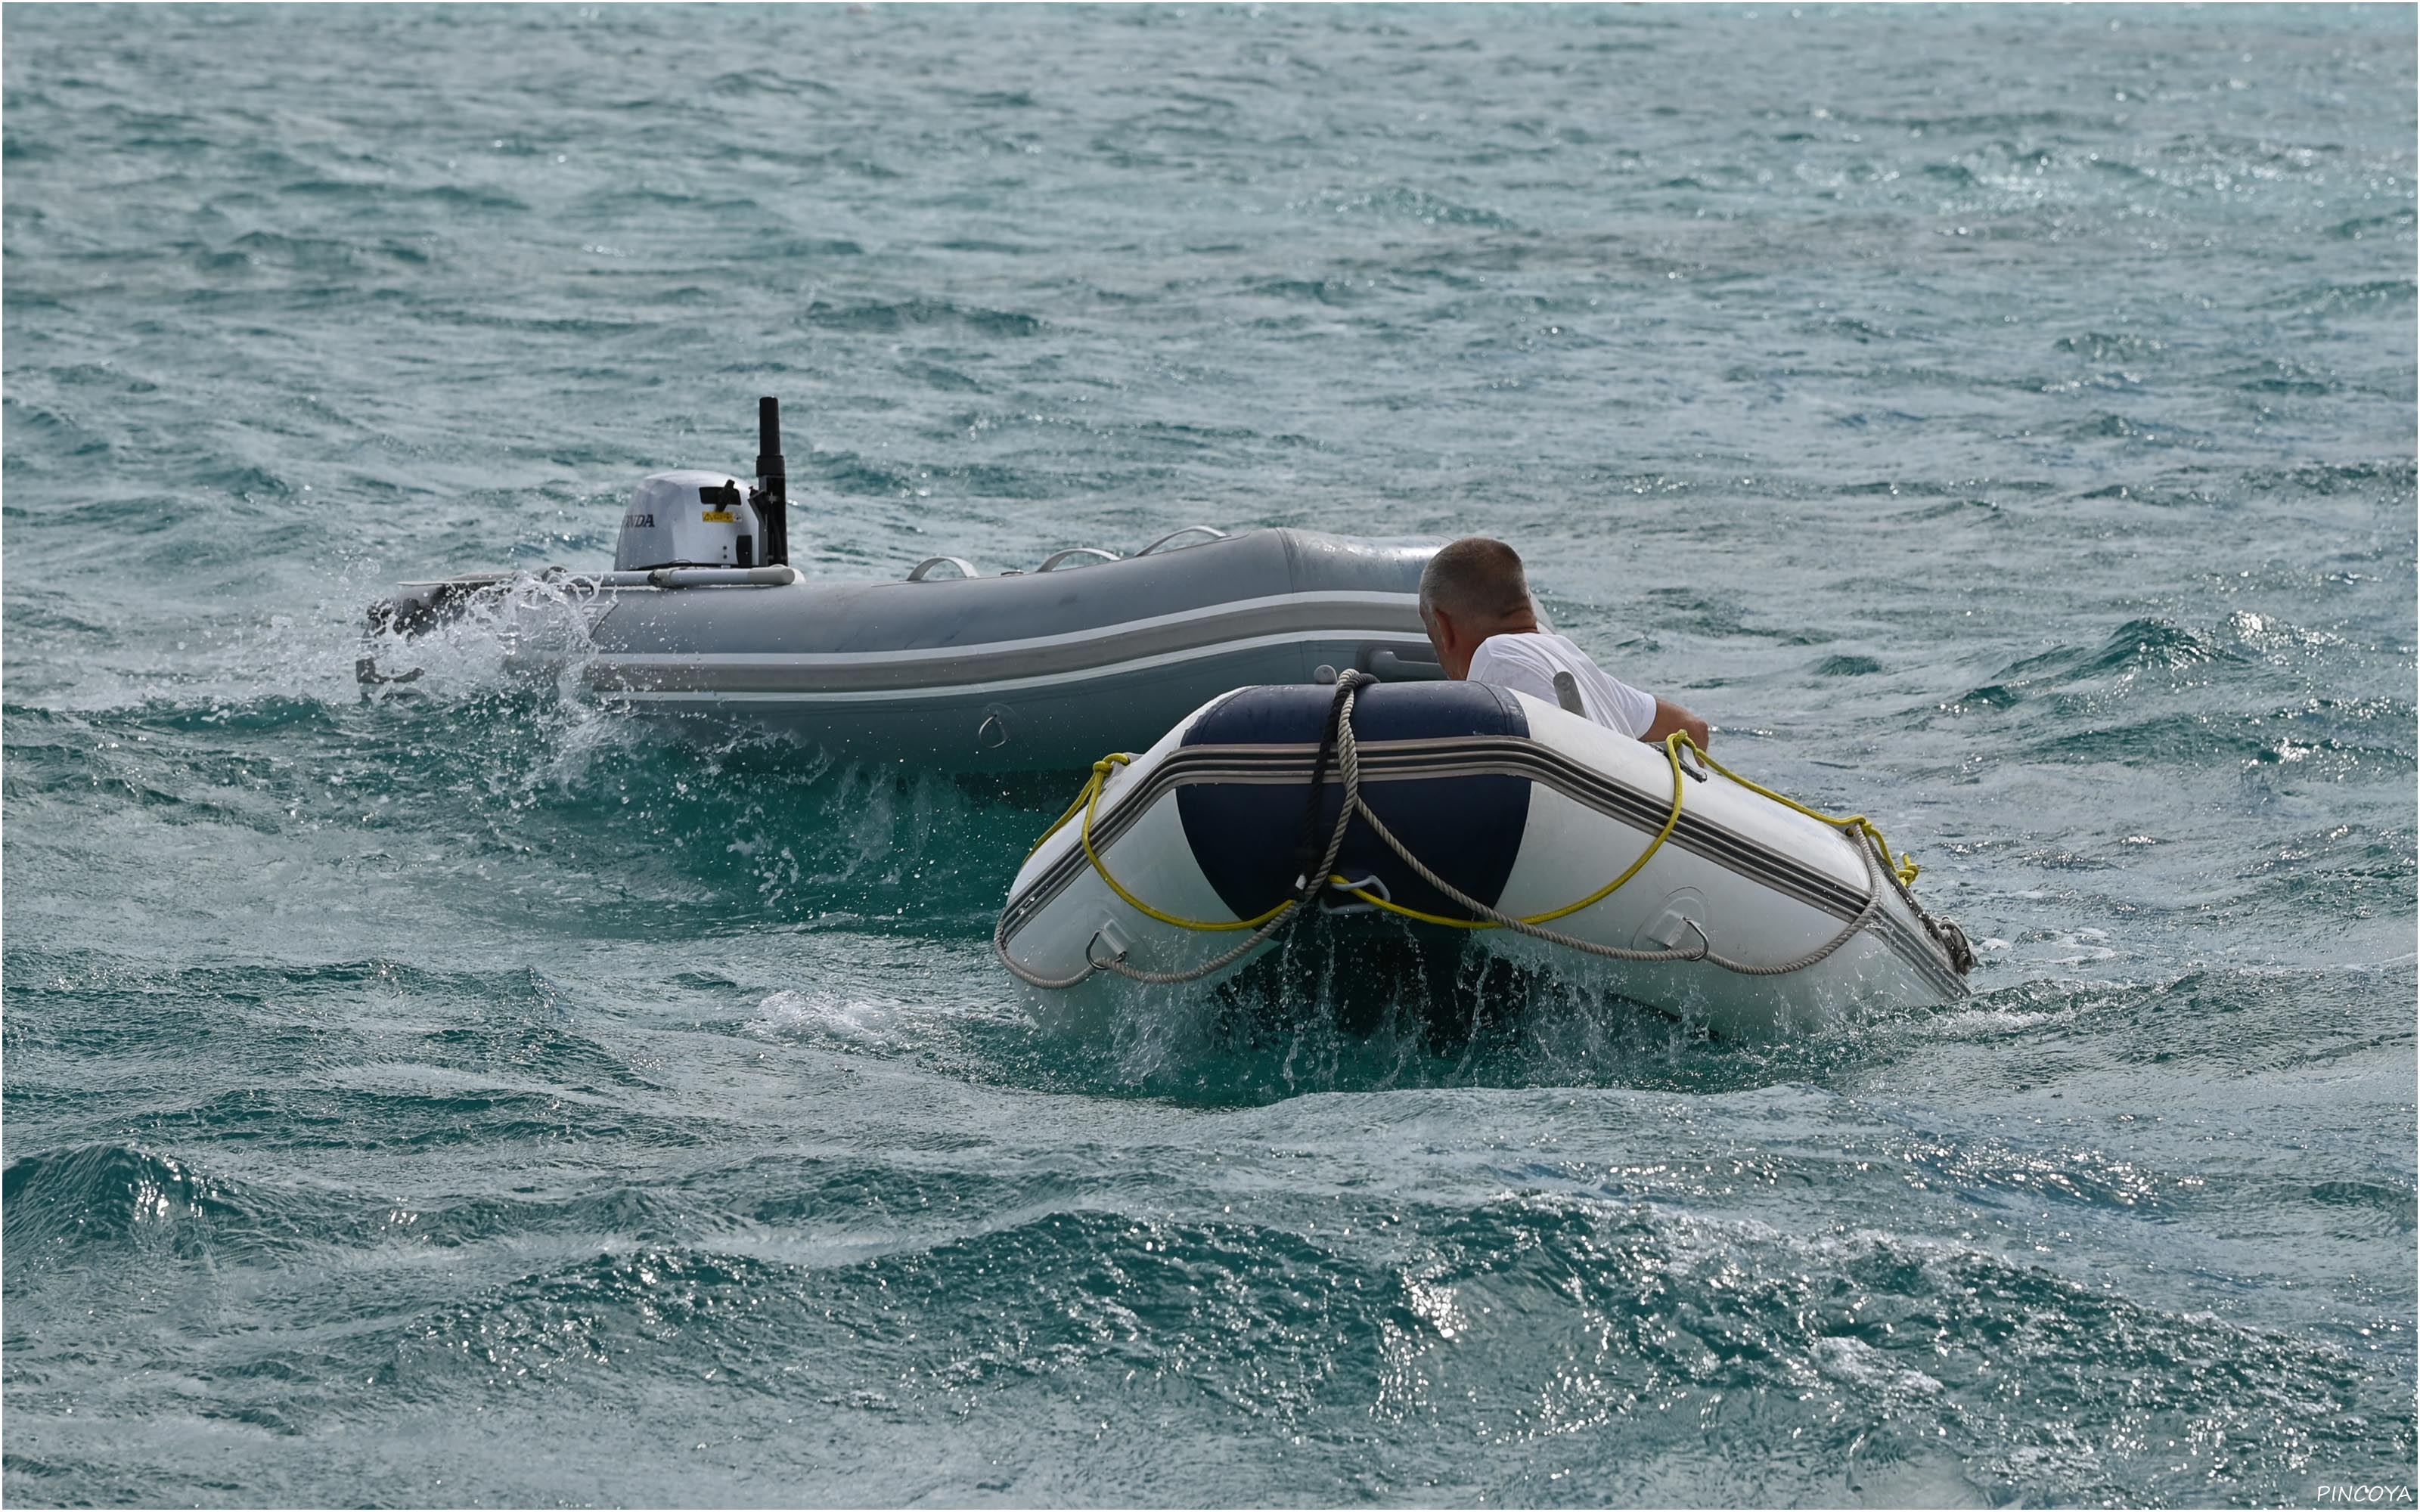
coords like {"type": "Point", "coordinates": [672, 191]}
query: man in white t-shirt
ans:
{"type": "Point", "coordinates": [1475, 600]}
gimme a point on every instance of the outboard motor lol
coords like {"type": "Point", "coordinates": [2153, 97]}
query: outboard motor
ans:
{"type": "Point", "coordinates": [687, 519]}
{"type": "Point", "coordinates": [704, 519]}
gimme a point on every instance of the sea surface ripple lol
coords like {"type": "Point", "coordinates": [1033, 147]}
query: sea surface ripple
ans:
{"type": "Point", "coordinates": [1999, 420]}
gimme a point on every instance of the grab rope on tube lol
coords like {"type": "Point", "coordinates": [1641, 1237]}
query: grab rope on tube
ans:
{"type": "Point", "coordinates": [1264, 927]}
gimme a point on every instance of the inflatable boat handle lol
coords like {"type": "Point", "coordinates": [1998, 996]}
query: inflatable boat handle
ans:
{"type": "Point", "coordinates": [1057, 556]}
{"type": "Point", "coordinates": [1387, 666]}
{"type": "Point", "coordinates": [705, 577]}
{"type": "Point", "coordinates": [965, 568]}
{"type": "Point", "coordinates": [1211, 531]}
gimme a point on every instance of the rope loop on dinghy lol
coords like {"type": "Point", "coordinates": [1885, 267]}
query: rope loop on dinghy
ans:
{"type": "Point", "coordinates": [1263, 928]}
{"type": "Point", "coordinates": [1491, 920]}
{"type": "Point", "coordinates": [1705, 951]}
{"type": "Point", "coordinates": [1856, 825]}
{"type": "Point", "coordinates": [1340, 741]}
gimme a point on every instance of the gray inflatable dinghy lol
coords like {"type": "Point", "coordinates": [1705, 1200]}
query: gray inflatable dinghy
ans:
{"type": "Point", "coordinates": [703, 618]}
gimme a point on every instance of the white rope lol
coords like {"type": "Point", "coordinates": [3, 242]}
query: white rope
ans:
{"type": "Point", "coordinates": [1347, 691]}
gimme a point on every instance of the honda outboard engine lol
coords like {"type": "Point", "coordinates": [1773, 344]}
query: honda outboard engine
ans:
{"type": "Point", "coordinates": [676, 520]}
{"type": "Point", "coordinates": [706, 519]}
{"type": "Point", "coordinates": [688, 519]}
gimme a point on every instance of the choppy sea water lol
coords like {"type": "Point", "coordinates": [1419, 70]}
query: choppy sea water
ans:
{"type": "Point", "coordinates": [2000, 421]}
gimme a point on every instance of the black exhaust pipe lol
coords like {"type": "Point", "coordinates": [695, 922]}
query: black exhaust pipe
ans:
{"type": "Point", "coordinates": [772, 494]}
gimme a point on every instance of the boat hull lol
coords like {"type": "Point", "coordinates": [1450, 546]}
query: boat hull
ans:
{"type": "Point", "coordinates": [1520, 805]}
{"type": "Point", "coordinates": [1043, 671]}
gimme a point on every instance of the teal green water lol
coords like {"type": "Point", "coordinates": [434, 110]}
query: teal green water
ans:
{"type": "Point", "coordinates": [2000, 421]}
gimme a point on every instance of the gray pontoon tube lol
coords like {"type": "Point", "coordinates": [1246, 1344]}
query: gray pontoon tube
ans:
{"type": "Point", "coordinates": [1039, 671]}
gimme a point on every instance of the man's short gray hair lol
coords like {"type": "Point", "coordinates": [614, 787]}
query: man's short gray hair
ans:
{"type": "Point", "coordinates": [1477, 576]}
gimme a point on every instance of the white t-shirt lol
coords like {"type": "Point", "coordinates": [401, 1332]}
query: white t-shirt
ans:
{"type": "Point", "coordinates": [1527, 661]}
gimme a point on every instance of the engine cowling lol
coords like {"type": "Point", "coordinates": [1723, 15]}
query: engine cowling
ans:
{"type": "Point", "coordinates": [688, 519]}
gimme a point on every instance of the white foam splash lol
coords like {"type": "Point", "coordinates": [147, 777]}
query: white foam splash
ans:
{"type": "Point", "coordinates": [862, 1020]}
{"type": "Point", "coordinates": [529, 630]}
{"type": "Point", "coordinates": [1856, 1363]}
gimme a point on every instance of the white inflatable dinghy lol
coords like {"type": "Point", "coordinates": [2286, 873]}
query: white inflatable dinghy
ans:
{"type": "Point", "coordinates": [1454, 806]}
{"type": "Point", "coordinates": [704, 617]}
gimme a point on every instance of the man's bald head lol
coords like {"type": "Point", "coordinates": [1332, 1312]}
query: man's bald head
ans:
{"type": "Point", "coordinates": [1477, 580]}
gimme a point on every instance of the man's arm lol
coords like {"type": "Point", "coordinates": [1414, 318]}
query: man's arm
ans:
{"type": "Point", "coordinates": [1671, 716]}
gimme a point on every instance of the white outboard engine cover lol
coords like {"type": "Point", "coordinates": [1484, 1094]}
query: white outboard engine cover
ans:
{"type": "Point", "coordinates": [688, 519]}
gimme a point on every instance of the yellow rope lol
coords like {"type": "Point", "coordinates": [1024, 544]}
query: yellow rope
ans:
{"type": "Point", "coordinates": [1672, 821]}
{"type": "Point", "coordinates": [1088, 802]}
{"type": "Point", "coordinates": [1904, 868]}
{"type": "Point", "coordinates": [1100, 774]}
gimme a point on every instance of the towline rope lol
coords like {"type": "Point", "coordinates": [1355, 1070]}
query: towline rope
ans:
{"type": "Point", "coordinates": [1872, 849]}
